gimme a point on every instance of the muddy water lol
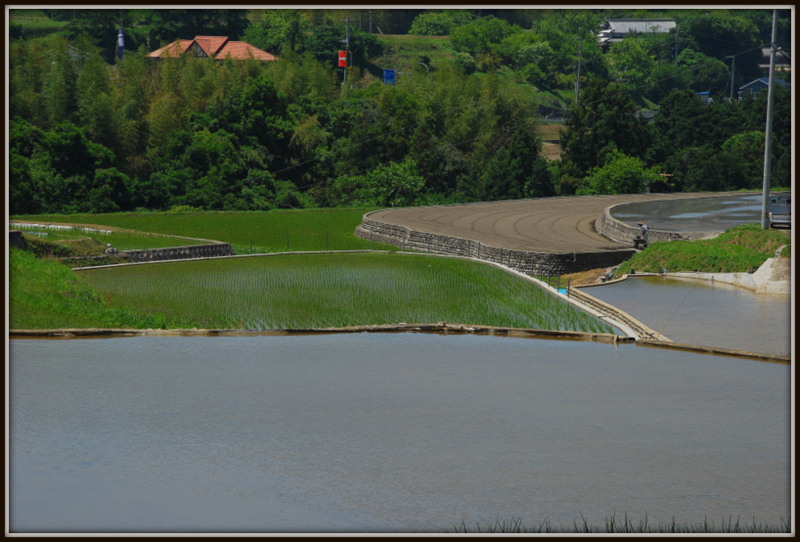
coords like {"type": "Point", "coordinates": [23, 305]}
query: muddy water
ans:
{"type": "Point", "coordinates": [705, 313]}
{"type": "Point", "coordinates": [398, 433]}
{"type": "Point", "coordinates": [702, 214]}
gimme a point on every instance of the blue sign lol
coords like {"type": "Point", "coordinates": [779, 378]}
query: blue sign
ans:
{"type": "Point", "coordinates": [388, 77]}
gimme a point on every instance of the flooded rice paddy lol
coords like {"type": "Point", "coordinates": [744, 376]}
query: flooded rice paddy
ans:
{"type": "Point", "coordinates": [388, 433]}
{"type": "Point", "coordinates": [701, 214]}
{"type": "Point", "coordinates": [705, 313]}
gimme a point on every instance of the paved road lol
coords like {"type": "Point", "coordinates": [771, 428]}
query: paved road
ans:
{"type": "Point", "coordinates": [550, 225]}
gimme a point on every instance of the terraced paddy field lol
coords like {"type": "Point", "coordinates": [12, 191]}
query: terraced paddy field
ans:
{"type": "Point", "coordinates": [247, 231]}
{"type": "Point", "coordinates": [301, 291]}
{"type": "Point", "coordinates": [551, 225]}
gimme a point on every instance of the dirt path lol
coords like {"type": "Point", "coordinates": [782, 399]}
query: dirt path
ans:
{"type": "Point", "coordinates": [550, 225]}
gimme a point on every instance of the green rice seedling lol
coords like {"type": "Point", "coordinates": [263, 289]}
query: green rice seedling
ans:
{"type": "Point", "coordinates": [332, 290]}
{"type": "Point", "coordinates": [246, 231]}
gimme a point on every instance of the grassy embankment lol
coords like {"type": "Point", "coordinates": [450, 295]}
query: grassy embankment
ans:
{"type": "Point", "coordinates": [33, 23]}
{"type": "Point", "coordinates": [45, 294]}
{"type": "Point", "coordinates": [739, 250]}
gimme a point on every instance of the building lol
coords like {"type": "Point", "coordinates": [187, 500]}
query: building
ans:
{"type": "Point", "coordinates": [615, 30]}
{"type": "Point", "coordinates": [782, 61]}
{"type": "Point", "coordinates": [757, 85]}
{"type": "Point", "coordinates": [215, 47]}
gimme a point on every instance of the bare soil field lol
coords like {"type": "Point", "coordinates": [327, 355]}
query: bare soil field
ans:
{"type": "Point", "coordinates": [550, 225]}
{"type": "Point", "coordinates": [551, 136]}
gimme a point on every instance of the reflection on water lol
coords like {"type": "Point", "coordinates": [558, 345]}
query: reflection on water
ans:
{"type": "Point", "coordinates": [376, 433]}
{"type": "Point", "coordinates": [705, 313]}
{"type": "Point", "coordinates": [702, 214]}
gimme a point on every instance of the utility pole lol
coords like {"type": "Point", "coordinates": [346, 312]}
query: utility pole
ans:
{"type": "Point", "coordinates": [768, 132]}
{"type": "Point", "coordinates": [733, 64]}
{"type": "Point", "coordinates": [578, 78]}
{"type": "Point", "coordinates": [346, 48]}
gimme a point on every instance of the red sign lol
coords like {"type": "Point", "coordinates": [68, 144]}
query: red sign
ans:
{"type": "Point", "coordinates": [342, 59]}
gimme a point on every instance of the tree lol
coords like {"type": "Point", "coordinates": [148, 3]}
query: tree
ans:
{"type": "Point", "coordinates": [96, 110]}
{"type": "Point", "coordinates": [707, 73]}
{"type": "Point", "coordinates": [59, 84]}
{"type": "Point", "coordinates": [200, 168]}
{"type": "Point", "coordinates": [698, 168]}
{"type": "Point", "coordinates": [621, 174]}
{"type": "Point", "coordinates": [439, 23]}
{"type": "Point", "coordinates": [480, 35]}
{"type": "Point", "coordinates": [516, 170]}
{"type": "Point", "coordinates": [719, 34]}
{"type": "Point", "coordinates": [665, 78]}
{"type": "Point", "coordinates": [391, 185]}
{"type": "Point", "coordinates": [570, 33]}
{"type": "Point", "coordinates": [744, 153]}
{"type": "Point", "coordinates": [604, 120]}
{"type": "Point", "coordinates": [278, 31]}
{"type": "Point", "coordinates": [630, 63]}
{"type": "Point", "coordinates": [110, 191]}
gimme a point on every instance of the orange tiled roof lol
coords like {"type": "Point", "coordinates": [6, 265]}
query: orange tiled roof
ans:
{"type": "Point", "coordinates": [217, 47]}
{"type": "Point", "coordinates": [240, 50]}
{"type": "Point", "coordinates": [211, 44]}
{"type": "Point", "coordinates": [174, 49]}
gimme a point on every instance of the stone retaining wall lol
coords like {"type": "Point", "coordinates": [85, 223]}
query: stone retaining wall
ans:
{"type": "Point", "coordinates": [641, 330]}
{"type": "Point", "coordinates": [618, 231]}
{"type": "Point", "coordinates": [528, 262]}
{"type": "Point", "coordinates": [178, 253]}
{"type": "Point", "coordinates": [16, 240]}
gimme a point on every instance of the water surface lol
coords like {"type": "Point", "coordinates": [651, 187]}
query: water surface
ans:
{"type": "Point", "coordinates": [387, 433]}
{"type": "Point", "coordinates": [701, 214]}
{"type": "Point", "coordinates": [705, 313]}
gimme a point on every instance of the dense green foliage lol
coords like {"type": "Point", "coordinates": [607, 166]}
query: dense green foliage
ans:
{"type": "Point", "coordinates": [90, 132]}
{"type": "Point", "coordinates": [739, 250]}
{"type": "Point", "coordinates": [305, 291]}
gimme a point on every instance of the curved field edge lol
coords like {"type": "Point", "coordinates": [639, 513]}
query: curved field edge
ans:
{"type": "Point", "coordinates": [313, 291]}
{"type": "Point", "coordinates": [64, 240]}
{"type": "Point", "coordinates": [246, 231]}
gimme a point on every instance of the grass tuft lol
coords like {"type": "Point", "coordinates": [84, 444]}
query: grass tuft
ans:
{"type": "Point", "coordinates": [627, 526]}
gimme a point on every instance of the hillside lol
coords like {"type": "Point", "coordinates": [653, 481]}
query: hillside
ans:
{"type": "Point", "coordinates": [408, 53]}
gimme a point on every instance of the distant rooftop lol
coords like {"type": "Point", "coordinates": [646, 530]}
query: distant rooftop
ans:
{"type": "Point", "coordinates": [216, 47]}
{"type": "Point", "coordinates": [615, 30]}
